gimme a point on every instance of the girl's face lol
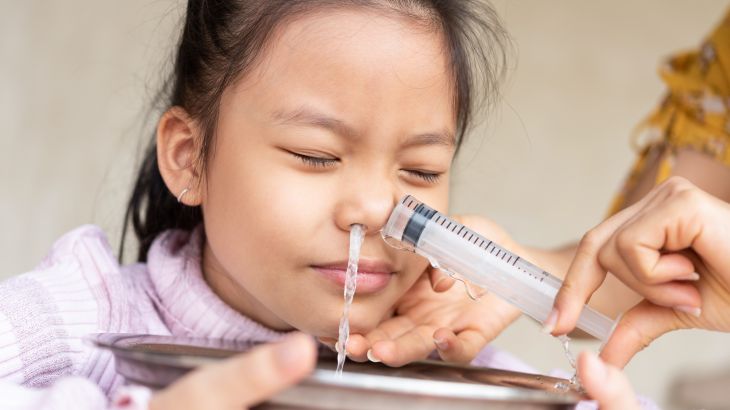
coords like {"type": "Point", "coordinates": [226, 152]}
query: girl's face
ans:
{"type": "Point", "coordinates": [343, 114]}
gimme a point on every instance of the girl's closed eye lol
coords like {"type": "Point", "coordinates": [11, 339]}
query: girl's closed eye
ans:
{"type": "Point", "coordinates": [315, 161]}
{"type": "Point", "coordinates": [427, 176]}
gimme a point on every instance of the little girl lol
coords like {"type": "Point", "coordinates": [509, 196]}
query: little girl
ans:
{"type": "Point", "coordinates": [288, 121]}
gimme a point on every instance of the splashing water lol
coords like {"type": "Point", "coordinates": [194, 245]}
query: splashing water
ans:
{"type": "Point", "coordinates": [356, 236]}
{"type": "Point", "coordinates": [565, 340]}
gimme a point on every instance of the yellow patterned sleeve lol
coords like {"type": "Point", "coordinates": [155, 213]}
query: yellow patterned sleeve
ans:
{"type": "Point", "coordinates": [694, 114]}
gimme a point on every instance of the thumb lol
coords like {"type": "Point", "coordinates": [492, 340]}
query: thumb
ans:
{"type": "Point", "coordinates": [440, 280]}
{"type": "Point", "coordinates": [243, 380]}
{"type": "Point", "coordinates": [606, 384]}
{"type": "Point", "coordinates": [270, 369]}
{"type": "Point", "coordinates": [636, 329]}
{"type": "Point", "coordinates": [255, 376]}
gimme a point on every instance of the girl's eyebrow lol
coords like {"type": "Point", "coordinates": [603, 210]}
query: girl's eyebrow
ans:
{"type": "Point", "coordinates": [307, 116]}
{"type": "Point", "coordinates": [444, 138]}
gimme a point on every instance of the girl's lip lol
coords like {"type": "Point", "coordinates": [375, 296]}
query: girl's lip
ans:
{"type": "Point", "coordinates": [367, 282]}
{"type": "Point", "coordinates": [364, 265]}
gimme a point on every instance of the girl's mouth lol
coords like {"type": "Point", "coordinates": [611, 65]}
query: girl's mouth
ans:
{"type": "Point", "coordinates": [372, 276]}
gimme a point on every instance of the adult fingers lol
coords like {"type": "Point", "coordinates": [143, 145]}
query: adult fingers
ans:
{"type": "Point", "coordinates": [637, 328]}
{"type": "Point", "coordinates": [586, 272]}
{"type": "Point", "coordinates": [461, 348]}
{"type": "Point", "coordinates": [359, 347]}
{"type": "Point", "coordinates": [666, 283]}
{"type": "Point", "coordinates": [440, 280]}
{"type": "Point", "coordinates": [264, 371]}
{"type": "Point", "coordinates": [584, 276]}
{"type": "Point", "coordinates": [243, 380]}
{"type": "Point", "coordinates": [605, 384]}
{"type": "Point", "coordinates": [414, 345]}
{"type": "Point", "coordinates": [646, 245]}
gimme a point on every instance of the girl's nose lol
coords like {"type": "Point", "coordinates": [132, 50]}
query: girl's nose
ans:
{"type": "Point", "coordinates": [369, 204]}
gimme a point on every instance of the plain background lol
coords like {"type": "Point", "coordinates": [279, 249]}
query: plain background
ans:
{"type": "Point", "coordinates": [77, 79]}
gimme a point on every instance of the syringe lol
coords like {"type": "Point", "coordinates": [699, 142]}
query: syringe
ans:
{"type": "Point", "coordinates": [459, 251]}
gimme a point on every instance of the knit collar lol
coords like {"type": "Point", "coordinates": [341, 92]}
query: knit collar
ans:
{"type": "Point", "coordinates": [187, 304]}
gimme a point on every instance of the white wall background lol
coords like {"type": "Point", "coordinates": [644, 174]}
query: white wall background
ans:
{"type": "Point", "coordinates": [76, 78]}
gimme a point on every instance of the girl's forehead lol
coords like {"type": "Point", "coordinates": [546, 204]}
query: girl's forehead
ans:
{"type": "Point", "coordinates": [352, 58]}
{"type": "Point", "coordinates": [364, 38]}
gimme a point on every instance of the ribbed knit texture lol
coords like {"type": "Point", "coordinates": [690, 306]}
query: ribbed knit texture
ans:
{"type": "Point", "coordinates": [78, 289]}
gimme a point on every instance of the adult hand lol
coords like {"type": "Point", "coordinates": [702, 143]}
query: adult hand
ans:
{"type": "Point", "coordinates": [242, 381]}
{"type": "Point", "coordinates": [446, 319]}
{"type": "Point", "coordinates": [672, 248]}
{"type": "Point", "coordinates": [606, 384]}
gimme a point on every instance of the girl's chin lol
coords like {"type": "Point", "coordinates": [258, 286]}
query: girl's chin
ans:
{"type": "Point", "coordinates": [323, 320]}
{"type": "Point", "coordinates": [332, 331]}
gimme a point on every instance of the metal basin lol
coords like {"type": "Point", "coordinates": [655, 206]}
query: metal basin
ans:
{"type": "Point", "coordinates": [157, 361]}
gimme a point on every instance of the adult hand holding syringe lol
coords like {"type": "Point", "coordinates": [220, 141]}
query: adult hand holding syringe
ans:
{"type": "Point", "coordinates": [465, 254]}
{"type": "Point", "coordinates": [448, 321]}
{"type": "Point", "coordinates": [423, 321]}
{"type": "Point", "coordinates": [672, 248]}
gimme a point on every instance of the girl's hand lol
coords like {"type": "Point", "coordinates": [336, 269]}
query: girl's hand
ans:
{"type": "Point", "coordinates": [447, 321]}
{"type": "Point", "coordinates": [244, 380]}
{"type": "Point", "coordinates": [672, 248]}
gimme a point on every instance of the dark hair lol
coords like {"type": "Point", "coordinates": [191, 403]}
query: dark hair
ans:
{"type": "Point", "coordinates": [222, 38]}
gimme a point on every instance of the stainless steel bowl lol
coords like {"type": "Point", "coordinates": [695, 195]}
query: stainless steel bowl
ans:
{"type": "Point", "coordinates": [157, 361]}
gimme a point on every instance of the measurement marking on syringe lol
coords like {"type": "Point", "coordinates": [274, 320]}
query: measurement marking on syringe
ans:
{"type": "Point", "coordinates": [485, 244]}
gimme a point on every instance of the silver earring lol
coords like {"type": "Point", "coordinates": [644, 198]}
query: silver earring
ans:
{"type": "Point", "coordinates": [180, 197]}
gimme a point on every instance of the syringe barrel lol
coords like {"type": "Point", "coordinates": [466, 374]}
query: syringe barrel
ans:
{"type": "Point", "coordinates": [458, 250]}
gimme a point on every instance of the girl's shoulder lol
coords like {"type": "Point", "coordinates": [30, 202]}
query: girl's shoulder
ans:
{"type": "Point", "coordinates": [86, 247]}
{"type": "Point", "coordinates": [83, 260]}
{"type": "Point", "coordinates": [81, 269]}
{"type": "Point", "coordinates": [79, 288]}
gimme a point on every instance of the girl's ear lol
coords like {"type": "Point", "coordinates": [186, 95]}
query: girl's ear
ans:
{"type": "Point", "coordinates": [178, 143]}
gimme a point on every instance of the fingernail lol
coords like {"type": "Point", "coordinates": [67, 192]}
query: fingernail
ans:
{"type": "Point", "coordinates": [288, 353]}
{"type": "Point", "coordinates": [441, 344]}
{"type": "Point", "coordinates": [371, 356]}
{"type": "Point", "coordinates": [337, 347]}
{"type": "Point", "coordinates": [692, 277]}
{"type": "Point", "coordinates": [549, 325]}
{"type": "Point", "coordinates": [690, 310]}
{"type": "Point", "coordinates": [438, 282]}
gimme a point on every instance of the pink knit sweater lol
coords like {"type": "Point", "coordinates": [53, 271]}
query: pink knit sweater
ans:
{"type": "Point", "coordinates": [79, 288]}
